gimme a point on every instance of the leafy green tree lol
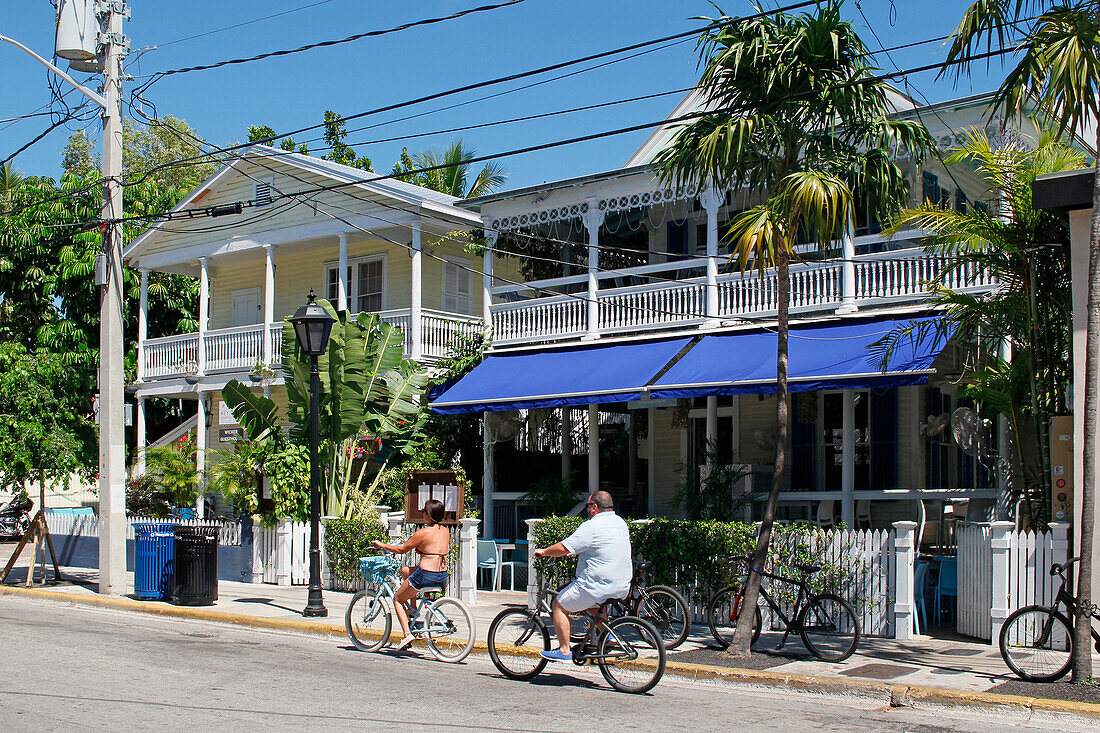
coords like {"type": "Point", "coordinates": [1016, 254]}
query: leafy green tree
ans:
{"type": "Point", "coordinates": [795, 113]}
{"type": "Point", "coordinates": [451, 174]}
{"type": "Point", "coordinates": [341, 152]}
{"type": "Point", "coordinates": [171, 480]}
{"type": "Point", "coordinates": [45, 426]}
{"type": "Point", "coordinates": [258, 133]}
{"type": "Point", "coordinates": [1027, 251]}
{"type": "Point", "coordinates": [1060, 69]}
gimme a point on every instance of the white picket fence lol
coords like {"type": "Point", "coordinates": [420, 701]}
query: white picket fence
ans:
{"type": "Point", "coordinates": [872, 584]}
{"type": "Point", "coordinates": [87, 525]}
{"type": "Point", "coordinates": [1000, 570]}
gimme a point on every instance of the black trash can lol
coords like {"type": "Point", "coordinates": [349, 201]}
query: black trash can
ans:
{"type": "Point", "coordinates": [196, 571]}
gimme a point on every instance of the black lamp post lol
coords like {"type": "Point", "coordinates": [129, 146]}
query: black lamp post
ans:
{"type": "Point", "coordinates": [312, 326]}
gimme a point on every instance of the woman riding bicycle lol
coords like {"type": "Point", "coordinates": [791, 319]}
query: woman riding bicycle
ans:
{"type": "Point", "coordinates": [433, 544]}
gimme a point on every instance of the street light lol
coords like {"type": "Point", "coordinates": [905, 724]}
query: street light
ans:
{"type": "Point", "coordinates": [312, 326]}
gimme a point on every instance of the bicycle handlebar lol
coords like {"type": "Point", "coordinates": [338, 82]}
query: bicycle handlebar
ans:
{"type": "Point", "coordinates": [1058, 569]}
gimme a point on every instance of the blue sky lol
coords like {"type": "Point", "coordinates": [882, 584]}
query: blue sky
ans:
{"type": "Point", "coordinates": [294, 91]}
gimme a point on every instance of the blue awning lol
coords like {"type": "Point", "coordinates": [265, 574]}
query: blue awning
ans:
{"type": "Point", "coordinates": [834, 356]}
{"type": "Point", "coordinates": [559, 377]}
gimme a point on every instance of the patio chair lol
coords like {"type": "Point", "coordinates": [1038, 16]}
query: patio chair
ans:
{"type": "Point", "coordinates": [863, 514]}
{"type": "Point", "coordinates": [487, 560]}
{"type": "Point", "coordinates": [920, 592]}
{"type": "Point", "coordinates": [825, 514]}
{"type": "Point", "coordinates": [511, 566]}
{"type": "Point", "coordinates": [947, 587]}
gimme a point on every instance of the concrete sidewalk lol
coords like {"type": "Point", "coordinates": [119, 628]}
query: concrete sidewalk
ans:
{"type": "Point", "coordinates": [958, 668]}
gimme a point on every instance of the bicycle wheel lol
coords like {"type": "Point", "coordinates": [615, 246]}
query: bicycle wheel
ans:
{"type": "Point", "coordinates": [667, 610]}
{"type": "Point", "coordinates": [516, 637]}
{"type": "Point", "coordinates": [449, 629]}
{"type": "Point", "coordinates": [1037, 643]}
{"type": "Point", "coordinates": [829, 627]}
{"type": "Point", "coordinates": [368, 621]}
{"type": "Point", "coordinates": [631, 655]}
{"type": "Point", "coordinates": [722, 614]}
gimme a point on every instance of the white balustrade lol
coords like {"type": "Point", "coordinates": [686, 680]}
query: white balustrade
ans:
{"type": "Point", "coordinates": [171, 355]}
{"type": "Point", "coordinates": [234, 349]}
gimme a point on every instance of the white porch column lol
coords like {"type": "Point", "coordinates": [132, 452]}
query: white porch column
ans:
{"type": "Point", "coordinates": [488, 479]}
{"type": "Point", "coordinates": [204, 312]}
{"type": "Point", "coordinates": [139, 428]}
{"type": "Point", "coordinates": [848, 460]}
{"type": "Point", "coordinates": [848, 273]}
{"type": "Point", "coordinates": [200, 454]}
{"type": "Point", "coordinates": [904, 604]}
{"type": "Point", "coordinates": [342, 276]}
{"type": "Point", "coordinates": [487, 279]}
{"type": "Point", "coordinates": [593, 219]}
{"type": "Point", "coordinates": [416, 309]}
{"type": "Point", "coordinates": [999, 543]}
{"type": "Point", "coordinates": [467, 561]}
{"type": "Point", "coordinates": [712, 201]}
{"type": "Point", "coordinates": [269, 302]}
{"type": "Point", "coordinates": [143, 323]}
{"type": "Point", "coordinates": [593, 448]}
{"type": "Point", "coordinates": [712, 431]}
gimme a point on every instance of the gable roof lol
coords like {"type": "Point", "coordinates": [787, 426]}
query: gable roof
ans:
{"type": "Point", "coordinates": [429, 201]}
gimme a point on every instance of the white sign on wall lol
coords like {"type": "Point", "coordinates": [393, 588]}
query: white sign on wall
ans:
{"type": "Point", "coordinates": [225, 415]}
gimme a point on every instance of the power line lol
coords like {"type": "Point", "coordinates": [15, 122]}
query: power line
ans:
{"type": "Point", "coordinates": [242, 24]}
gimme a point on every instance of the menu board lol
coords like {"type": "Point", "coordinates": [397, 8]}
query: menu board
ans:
{"type": "Point", "coordinates": [443, 486]}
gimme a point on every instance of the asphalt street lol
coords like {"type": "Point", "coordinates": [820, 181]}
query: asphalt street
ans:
{"type": "Point", "coordinates": [71, 668]}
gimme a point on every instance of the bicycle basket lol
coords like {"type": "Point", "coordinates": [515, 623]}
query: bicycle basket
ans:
{"type": "Point", "coordinates": [376, 569]}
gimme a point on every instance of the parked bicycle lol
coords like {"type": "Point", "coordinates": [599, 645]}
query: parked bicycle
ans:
{"type": "Point", "coordinates": [1037, 641]}
{"type": "Point", "coordinates": [628, 650]}
{"type": "Point", "coordinates": [445, 624]}
{"type": "Point", "coordinates": [660, 605]}
{"type": "Point", "coordinates": [826, 622]}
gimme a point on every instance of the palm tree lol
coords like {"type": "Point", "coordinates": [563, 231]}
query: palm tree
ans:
{"type": "Point", "coordinates": [794, 113]}
{"type": "Point", "coordinates": [1060, 69]}
{"type": "Point", "coordinates": [10, 182]}
{"type": "Point", "coordinates": [451, 171]}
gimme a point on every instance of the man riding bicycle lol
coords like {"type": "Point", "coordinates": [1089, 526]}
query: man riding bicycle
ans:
{"type": "Point", "coordinates": [604, 570]}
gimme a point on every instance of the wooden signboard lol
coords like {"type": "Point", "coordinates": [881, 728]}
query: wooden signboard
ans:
{"type": "Point", "coordinates": [441, 485]}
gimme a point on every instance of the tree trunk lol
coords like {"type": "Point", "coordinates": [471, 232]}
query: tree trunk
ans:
{"type": "Point", "coordinates": [742, 637]}
{"type": "Point", "coordinates": [1082, 639]}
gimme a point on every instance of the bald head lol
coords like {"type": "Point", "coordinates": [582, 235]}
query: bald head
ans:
{"type": "Point", "coordinates": [602, 500]}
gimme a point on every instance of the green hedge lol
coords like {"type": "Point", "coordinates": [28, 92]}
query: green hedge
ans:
{"type": "Point", "coordinates": [692, 554]}
{"type": "Point", "coordinates": [347, 540]}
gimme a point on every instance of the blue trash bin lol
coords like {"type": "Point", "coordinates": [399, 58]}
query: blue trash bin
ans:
{"type": "Point", "coordinates": [154, 553]}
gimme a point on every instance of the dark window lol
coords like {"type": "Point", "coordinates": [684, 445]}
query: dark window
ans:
{"type": "Point", "coordinates": [960, 201]}
{"type": "Point", "coordinates": [884, 439]}
{"type": "Point", "coordinates": [677, 240]}
{"type": "Point", "coordinates": [931, 188]}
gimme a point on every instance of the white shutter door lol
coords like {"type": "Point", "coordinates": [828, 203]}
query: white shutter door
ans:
{"type": "Point", "coordinates": [450, 287]}
{"type": "Point", "coordinates": [462, 301]}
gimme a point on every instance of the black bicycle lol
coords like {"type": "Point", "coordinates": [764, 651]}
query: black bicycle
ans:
{"type": "Point", "coordinates": [660, 605]}
{"type": "Point", "coordinates": [628, 650]}
{"type": "Point", "coordinates": [1037, 641]}
{"type": "Point", "coordinates": [826, 622]}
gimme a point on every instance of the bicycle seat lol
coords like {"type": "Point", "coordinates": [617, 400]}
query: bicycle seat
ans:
{"type": "Point", "coordinates": [642, 565]}
{"type": "Point", "coordinates": [431, 590]}
{"type": "Point", "coordinates": [808, 569]}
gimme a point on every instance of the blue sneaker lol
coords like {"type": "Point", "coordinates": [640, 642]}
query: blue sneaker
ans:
{"type": "Point", "coordinates": [557, 655]}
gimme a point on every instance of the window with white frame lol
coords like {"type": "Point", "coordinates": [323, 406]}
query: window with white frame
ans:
{"type": "Point", "coordinates": [366, 283]}
{"type": "Point", "coordinates": [456, 287]}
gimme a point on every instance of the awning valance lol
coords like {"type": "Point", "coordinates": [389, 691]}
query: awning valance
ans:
{"type": "Point", "coordinates": [559, 377]}
{"type": "Point", "coordinates": [828, 356]}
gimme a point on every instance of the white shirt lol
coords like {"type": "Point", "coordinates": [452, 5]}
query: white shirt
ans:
{"type": "Point", "coordinates": [602, 547]}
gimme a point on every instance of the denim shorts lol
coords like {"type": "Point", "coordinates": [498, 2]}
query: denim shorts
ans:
{"type": "Point", "coordinates": [421, 578]}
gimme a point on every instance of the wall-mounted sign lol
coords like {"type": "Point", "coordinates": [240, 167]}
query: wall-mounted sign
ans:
{"type": "Point", "coordinates": [230, 435]}
{"type": "Point", "coordinates": [442, 485]}
{"type": "Point", "coordinates": [225, 415]}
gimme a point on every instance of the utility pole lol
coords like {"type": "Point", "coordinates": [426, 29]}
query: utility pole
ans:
{"type": "Point", "coordinates": [112, 457]}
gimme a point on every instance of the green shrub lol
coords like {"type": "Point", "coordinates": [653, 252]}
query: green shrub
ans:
{"type": "Point", "coordinates": [347, 540]}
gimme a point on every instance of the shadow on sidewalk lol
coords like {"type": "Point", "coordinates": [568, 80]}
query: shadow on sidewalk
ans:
{"type": "Point", "coordinates": [268, 602]}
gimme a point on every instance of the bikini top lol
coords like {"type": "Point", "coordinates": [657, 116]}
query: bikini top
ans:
{"type": "Point", "coordinates": [440, 555]}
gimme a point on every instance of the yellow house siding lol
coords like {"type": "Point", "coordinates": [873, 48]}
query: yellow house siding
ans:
{"type": "Point", "coordinates": [667, 461]}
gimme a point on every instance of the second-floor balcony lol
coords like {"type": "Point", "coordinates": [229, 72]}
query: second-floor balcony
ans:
{"type": "Point", "coordinates": [673, 296]}
{"type": "Point", "coordinates": [240, 349]}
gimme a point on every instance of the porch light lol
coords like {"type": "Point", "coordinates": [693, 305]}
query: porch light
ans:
{"type": "Point", "coordinates": [312, 325]}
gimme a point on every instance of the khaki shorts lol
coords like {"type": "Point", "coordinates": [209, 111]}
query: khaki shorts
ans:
{"type": "Point", "coordinates": [574, 599]}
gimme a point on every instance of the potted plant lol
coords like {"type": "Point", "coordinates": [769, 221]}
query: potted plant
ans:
{"type": "Point", "coordinates": [190, 371]}
{"type": "Point", "coordinates": [261, 373]}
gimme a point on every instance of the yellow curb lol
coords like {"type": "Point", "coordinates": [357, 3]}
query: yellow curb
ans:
{"type": "Point", "coordinates": [894, 694]}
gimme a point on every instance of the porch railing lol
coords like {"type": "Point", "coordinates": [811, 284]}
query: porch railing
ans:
{"type": "Point", "coordinates": [240, 348]}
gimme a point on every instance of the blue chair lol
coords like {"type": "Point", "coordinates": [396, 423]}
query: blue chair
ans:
{"type": "Point", "coordinates": [947, 587]}
{"type": "Point", "coordinates": [920, 593]}
{"type": "Point", "coordinates": [487, 560]}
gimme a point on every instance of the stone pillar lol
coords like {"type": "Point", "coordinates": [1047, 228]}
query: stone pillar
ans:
{"type": "Point", "coordinates": [204, 313]}
{"type": "Point", "coordinates": [848, 460]}
{"type": "Point", "coordinates": [593, 219]}
{"type": "Point", "coordinates": [711, 201]}
{"type": "Point", "coordinates": [593, 448]}
{"type": "Point", "coordinates": [488, 479]}
{"type": "Point", "coordinates": [258, 546]}
{"type": "Point", "coordinates": [342, 276]}
{"type": "Point", "coordinates": [416, 308]}
{"type": "Point", "coordinates": [905, 554]}
{"type": "Point", "coordinates": [467, 561]}
{"type": "Point", "coordinates": [269, 303]}
{"type": "Point", "coordinates": [487, 280]}
{"type": "Point", "coordinates": [143, 323]}
{"type": "Point", "coordinates": [532, 573]}
{"type": "Point", "coordinates": [200, 454]}
{"type": "Point", "coordinates": [848, 273]}
{"type": "Point", "coordinates": [999, 542]}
